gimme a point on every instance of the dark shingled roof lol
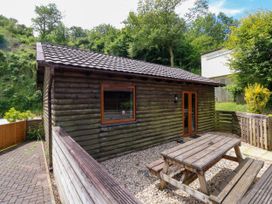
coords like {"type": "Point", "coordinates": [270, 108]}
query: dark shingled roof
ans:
{"type": "Point", "coordinates": [61, 55]}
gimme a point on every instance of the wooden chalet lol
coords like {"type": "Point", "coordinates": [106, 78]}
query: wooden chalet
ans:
{"type": "Point", "coordinates": [97, 107]}
{"type": "Point", "coordinates": [114, 105]}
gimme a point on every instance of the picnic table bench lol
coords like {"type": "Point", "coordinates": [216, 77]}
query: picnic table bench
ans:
{"type": "Point", "coordinates": [192, 159]}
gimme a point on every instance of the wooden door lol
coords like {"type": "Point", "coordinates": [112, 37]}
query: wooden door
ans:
{"type": "Point", "coordinates": [189, 113]}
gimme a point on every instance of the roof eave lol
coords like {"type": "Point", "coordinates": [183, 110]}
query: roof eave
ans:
{"type": "Point", "coordinates": [59, 65]}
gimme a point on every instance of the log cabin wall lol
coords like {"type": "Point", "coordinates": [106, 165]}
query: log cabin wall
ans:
{"type": "Point", "coordinates": [76, 108]}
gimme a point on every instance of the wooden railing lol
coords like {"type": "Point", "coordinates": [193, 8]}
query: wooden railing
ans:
{"type": "Point", "coordinates": [255, 129]}
{"type": "Point", "coordinates": [80, 178]}
{"type": "Point", "coordinates": [12, 133]}
{"type": "Point", "coordinates": [226, 121]}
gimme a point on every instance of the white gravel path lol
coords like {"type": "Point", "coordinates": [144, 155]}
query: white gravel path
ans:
{"type": "Point", "coordinates": [131, 172]}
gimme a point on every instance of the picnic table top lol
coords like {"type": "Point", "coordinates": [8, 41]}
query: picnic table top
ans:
{"type": "Point", "coordinates": [201, 153]}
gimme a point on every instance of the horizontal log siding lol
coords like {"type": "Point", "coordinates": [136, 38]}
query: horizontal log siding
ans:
{"type": "Point", "coordinates": [46, 85]}
{"type": "Point", "coordinates": [76, 108]}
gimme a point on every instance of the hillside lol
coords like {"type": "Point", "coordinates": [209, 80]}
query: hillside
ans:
{"type": "Point", "coordinates": [17, 67]}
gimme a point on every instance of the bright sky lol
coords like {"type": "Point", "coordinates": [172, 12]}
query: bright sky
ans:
{"type": "Point", "coordinates": [90, 13]}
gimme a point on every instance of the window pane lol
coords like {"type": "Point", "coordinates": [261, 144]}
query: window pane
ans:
{"type": "Point", "coordinates": [193, 112]}
{"type": "Point", "coordinates": [118, 105]}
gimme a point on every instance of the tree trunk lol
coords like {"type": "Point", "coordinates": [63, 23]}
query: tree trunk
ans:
{"type": "Point", "coordinates": [171, 53]}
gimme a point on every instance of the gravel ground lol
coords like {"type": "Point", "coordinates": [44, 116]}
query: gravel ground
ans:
{"type": "Point", "coordinates": [131, 172]}
{"type": "Point", "coordinates": [55, 188]}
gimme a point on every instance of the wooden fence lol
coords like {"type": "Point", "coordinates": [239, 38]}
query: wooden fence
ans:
{"type": "Point", "coordinates": [80, 178]}
{"type": "Point", "coordinates": [15, 133]}
{"type": "Point", "coordinates": [255, 129]}
{"type": "Point", "coordinates": [12, 133]}
{"type": "Point", "coordinates": [226, 121]}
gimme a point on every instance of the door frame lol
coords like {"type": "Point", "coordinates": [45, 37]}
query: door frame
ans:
{"type": "Point", "coordinates": [190, 132]}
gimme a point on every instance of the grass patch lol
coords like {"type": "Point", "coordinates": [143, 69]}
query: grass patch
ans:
{"type": "Point", "coordinates": [231, 106]}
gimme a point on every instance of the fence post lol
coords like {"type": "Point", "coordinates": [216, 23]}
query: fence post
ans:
{"type": "Point", "coordinates": [269, 133]}
{"type": "Point", "coordinates": [232, 123]}
{"type": "Point", "coordinates": [216, 120]}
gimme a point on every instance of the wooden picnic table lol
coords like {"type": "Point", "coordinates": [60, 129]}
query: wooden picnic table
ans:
{"type": "Point", "coordinates": [195, 158]}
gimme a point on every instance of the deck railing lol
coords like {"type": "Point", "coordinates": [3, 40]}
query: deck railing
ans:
{"type": "Point", "coordinates": [12, 134]}
{"type": "Point", "coordinates": [80, 178]}
{"type": "Point", "coordinates": [255, 129]}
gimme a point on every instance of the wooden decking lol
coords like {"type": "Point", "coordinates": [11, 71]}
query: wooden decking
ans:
{"type": "Point", "coordinates": [261, 192]}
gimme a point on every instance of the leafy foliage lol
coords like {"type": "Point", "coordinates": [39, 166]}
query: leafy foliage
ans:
{"type": "Point", "coordinates": [169, 6]}
{"type": "Point", "coordinates": [17, 68]}
{"type": "Point", "coordinates": [199, 9]}
{"type": "Point", "coordinates": [36, 133]}
{"type": "Point", "coordinates": [155, 33]}
{"type": "Point", "coordinates": [101, 38]}
{"type": "Point", "coordinates": [47, 20]}
{"type": "Point", "coordinates": [256, 97]}
{"type": "Point", "coordinates": [251, 42]}
{"type": "Point", "coordinates": [208, 33]}
{"type": "Point", "coordinates": [13, 115]}
{"type": "Point", "coordinates": [234, 88]}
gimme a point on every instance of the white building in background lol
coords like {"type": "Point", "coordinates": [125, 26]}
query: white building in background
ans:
{"type": "Point", "coordinates": [215, 65]}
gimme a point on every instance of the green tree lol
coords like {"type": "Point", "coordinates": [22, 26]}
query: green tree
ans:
{"type": "Point", "coordinates": [17, 68]}
{"type": "Point", "coordinates": [146, 6]}
{"type": "Point", "coordinates": [78, 37]}
{"type": "Point", "coordinates": [156, 28]}
{"type": "Point", "coordinates": [120, 45]}
{"type": "Point", "coordinates": [208, 33]}
{"type": "Point", "coordinates": [18, 81]}
{"type": "Point", "coordinates": [101, 37]}
{"type": "Point", "coordinates": [60, 35]}
{"type": "Point", "coordinates": [199, 9]}
{"type": "Point", "coordinates": [47, 19]}
{"type": "Point", "coordinates": [251, 43]}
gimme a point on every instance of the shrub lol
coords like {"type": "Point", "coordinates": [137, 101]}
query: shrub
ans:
{"type": "Point", "coordinates": [12, 115]}
{"type": "Point", "coordinates": [36, 133]}
{"type": "Point", "coordinates": [256, 97]}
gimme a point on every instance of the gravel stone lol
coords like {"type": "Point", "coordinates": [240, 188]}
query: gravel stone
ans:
{"type": "Point", "coordinates": [131, 172]}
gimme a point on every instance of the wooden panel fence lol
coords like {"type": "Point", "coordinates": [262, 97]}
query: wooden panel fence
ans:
{"type": "Point", "coordinates": [226, 121]}
{"type": "Point", "coordinates": [12, 133]}
{"type": "Point", "coordinates": [255, 129]}
{"type": "Point", "coordinates": [80, 178]}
